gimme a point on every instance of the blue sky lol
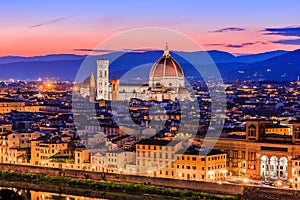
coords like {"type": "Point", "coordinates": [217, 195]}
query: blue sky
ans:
{"type": "Point", "coordinates": [59, 26]}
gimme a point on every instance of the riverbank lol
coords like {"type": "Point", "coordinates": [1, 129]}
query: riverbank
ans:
{"type": "Point", "coordinates": [101, 189]}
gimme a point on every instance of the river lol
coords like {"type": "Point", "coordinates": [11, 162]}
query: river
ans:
{"type": "Point", "coordinates": [15, 193]}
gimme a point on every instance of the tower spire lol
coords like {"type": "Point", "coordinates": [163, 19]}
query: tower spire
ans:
{"type": "Point", "coordinates": [166, 51]}
{"type": "Point", "coordinates": [92, 79]}
{"type": "Point", "coordinates": [92, 87]}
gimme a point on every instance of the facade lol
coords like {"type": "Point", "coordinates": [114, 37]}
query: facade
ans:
{"type": "Point", "coordinates": [118, 161]}
{"type": "Point", "coordinates": [200, 166]}
{"type": "Point", "coordinates": [295, 180]}
{"type": "Point", "coordinates": [156, 158]}
{"type": "Point", "coordinates": [102, 80]}
{"type": "Point", "coordinates": [165, 159]}
{"type": "Point", "coordinates": [7, 105]}
{"type": "Point", "coordinates": [42, 152]}
{"type": "Point", "coordinates": [14, 146]}
{"type": "Point", "coordinates": [261, 156]}
{"type": "Point", "coordinates": [6, 127]}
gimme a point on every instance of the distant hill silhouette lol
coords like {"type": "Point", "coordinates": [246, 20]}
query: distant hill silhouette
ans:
{"type": "Point", "coordinates": [260, 56]}
{"type": "Point", "coordinates": [275, 65]}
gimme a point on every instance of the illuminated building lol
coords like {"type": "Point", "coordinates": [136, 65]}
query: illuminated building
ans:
{"type": "Point", "coordinates": [262, 155]}
{"type": "Point", "coordinates": [209, 166]}
{"type": "Point", "coordinates": [156, 157]}
{"type": "Point", "coordinates": [8, 105]}
{"type": "Point", "coordinates": [295, 180]}
{"type": "Point", "coordinates": [166, 81]}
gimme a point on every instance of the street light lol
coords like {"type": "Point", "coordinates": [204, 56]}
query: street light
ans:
{"type": "Point", "coordinates": [279, 183]}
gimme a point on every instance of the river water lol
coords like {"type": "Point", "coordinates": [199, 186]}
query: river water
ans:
{"type": "Point", "coordinates": [10, 193]}
{"type": "Point", "coordinates": [21, 194]}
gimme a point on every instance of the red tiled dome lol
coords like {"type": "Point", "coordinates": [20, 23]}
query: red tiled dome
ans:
{"type": "Point", "coordinates": [166, 66]}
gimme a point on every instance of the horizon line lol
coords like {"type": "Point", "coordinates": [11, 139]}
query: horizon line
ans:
{"type": "Point", "coordinates": [140, 51]}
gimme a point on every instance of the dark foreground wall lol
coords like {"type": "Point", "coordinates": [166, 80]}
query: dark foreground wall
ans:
{"type": "Point", "coordinates": [247, 192]}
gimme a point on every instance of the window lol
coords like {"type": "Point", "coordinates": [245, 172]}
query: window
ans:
{"type": "Point", "coordinates": [235, 153]}
{"type": "Point", "coordinates": [234, 164]}
{"type": "Point", "coordinates": [243, 154]}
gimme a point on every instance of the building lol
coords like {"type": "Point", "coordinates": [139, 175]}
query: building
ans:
{"type": "Point", "coordinates": [156, 157]}
{"type": "Point", "coordinates": [166, 81]}
{"type": "Point", "coordinates": [92, 88]}
{"type": "Point", "coordinates": [261, 155]}
{"type": "Point", "coordinates": [117, 161]}
{"type": "Point", "coordinates": [43, 152]}
{"type": "Point", "coordinates": [102, 80]}
{"type": "Point", "coordinates": [8, 105]}
{"type": "Point", "coordinates": [209, 166]}
{"type": "Point", "coordinates": [295, 180]}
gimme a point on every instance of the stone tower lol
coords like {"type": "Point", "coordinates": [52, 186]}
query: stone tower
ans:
{"type": "Point", "coordinates": [102, 80]}
{"type": "Point", "coordinates": [115, 90]}
{"type": "Point", "coordinates": [92, 88]}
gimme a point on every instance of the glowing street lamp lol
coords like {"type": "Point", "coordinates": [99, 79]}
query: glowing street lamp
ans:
{"type": "Point", "coordinates": [179, 174]}
{"type": "Point", "coordinates": [279, 183]}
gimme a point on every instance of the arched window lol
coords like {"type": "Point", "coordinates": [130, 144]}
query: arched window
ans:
{"type": "Point", "coordinates": [283, 167]}
{"type": "Point", "coordinates": [274, 167]}
{"type": "Point", "coordinates": [252, 131]}
{"type": "Point", "coordinates": [264, 166]}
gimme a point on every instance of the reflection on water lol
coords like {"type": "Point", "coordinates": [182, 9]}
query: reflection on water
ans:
{"type": "Point", "coordinates": [18, 194]}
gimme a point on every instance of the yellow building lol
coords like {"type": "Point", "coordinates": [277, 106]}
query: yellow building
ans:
{"type": "Point", "coordinates": [278, 129]}
{"type": "Point", "coordinates": [295, 180]}
{"type": "Point", "coordinates": [14, 146]}
{"type": "Point", "coordinates": [209, 166]}
{"type": "Point", "coordinates": [5, 128]}
{"type": "Point", "coordinates": [8, 105]}
{"type": "Point", "coordinates": [82, 158]}
{"type": "Point", "coordinates": [156, 157]}
{"type": "Point", "coordinates": [42, 152]}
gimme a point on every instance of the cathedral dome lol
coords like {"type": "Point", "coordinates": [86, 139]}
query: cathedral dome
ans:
{"type": "Point", "coordinates": [166, 67]}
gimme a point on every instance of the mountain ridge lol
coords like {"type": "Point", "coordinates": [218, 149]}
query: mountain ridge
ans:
{"type": "Point", "coordinates": [65, 66]}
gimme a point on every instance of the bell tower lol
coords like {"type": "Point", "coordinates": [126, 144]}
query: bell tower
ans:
{"type": "Point", "coordinates": [92, 88]}
{"type": "Point", "coordinates": [102, 80]}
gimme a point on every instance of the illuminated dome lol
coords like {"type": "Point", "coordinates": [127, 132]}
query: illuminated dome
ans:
{"type": "Point", "coordinates": [166, 72]}
{"type": "Point", "coordinates": [166, 66]}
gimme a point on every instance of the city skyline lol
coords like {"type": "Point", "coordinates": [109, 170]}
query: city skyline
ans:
{"type": "Point", "coordinates": [156, 100]}
{"type": "Point", "coordinates": [32, 28]}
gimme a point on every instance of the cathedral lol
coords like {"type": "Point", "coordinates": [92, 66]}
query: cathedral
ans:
{"type": "Point", "coordinates": [166, 82]}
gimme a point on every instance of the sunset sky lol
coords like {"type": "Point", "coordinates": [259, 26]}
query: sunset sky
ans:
{"type": "Point", "coordinates": [31, 28]}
